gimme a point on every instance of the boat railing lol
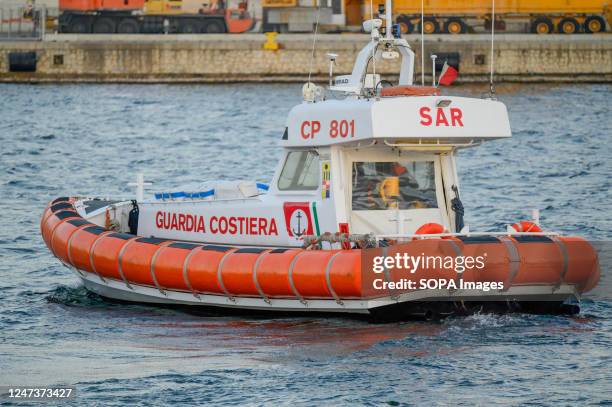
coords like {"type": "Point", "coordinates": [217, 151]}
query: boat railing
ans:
{"type": "Point", "coordinates": [371, 240]}
{"type": "Point", "coordinates": [420, 144]}
{"type": "Point", "coordinates": [470, 234]}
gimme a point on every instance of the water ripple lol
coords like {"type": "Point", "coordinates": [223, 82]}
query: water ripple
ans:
{"type": "Point", "coordinates": [89, 140]}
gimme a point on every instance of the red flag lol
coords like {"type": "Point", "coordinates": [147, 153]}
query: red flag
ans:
{"type": "Point", "coordinates": [448, 75]}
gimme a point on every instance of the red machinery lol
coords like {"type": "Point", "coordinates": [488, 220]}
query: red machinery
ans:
{"type": "Point", "coordinates": [150, 16]}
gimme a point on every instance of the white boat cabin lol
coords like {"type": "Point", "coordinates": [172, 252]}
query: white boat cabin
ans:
{"type": "Point", "coordinates": [378, 161]}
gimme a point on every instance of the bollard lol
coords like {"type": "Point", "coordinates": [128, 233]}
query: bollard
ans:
{"type": "Point", "coordinates": [271, 43]}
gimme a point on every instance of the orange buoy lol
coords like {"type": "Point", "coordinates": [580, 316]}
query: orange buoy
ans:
{"type": "Point", "coordinates": [526, 226]}
{"type": "Point", "coordinates": [430, 229]}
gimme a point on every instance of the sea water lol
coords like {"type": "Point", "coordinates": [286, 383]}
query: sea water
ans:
{"type": "Point", "coordinates": [94, 139]}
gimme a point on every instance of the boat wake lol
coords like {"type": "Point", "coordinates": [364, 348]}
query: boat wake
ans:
{"type": "Point", "coordinates": [77, 296]}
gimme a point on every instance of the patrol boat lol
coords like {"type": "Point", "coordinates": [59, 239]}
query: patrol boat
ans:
{"type": "Point", "coordinates": [366, 187]}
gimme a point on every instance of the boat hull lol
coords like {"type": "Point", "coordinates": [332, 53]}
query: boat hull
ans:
{"type": "Point", "coordinates": [116, 290]}
{"type": "Point", "coordinates": [125, 267]}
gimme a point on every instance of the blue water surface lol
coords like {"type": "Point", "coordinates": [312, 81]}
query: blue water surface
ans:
{"type": "Point", "coordinates": [93, 139]}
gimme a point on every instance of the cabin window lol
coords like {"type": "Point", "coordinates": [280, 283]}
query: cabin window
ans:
{"type": "Point", "coordinates": [300, 172]}
{"type": "Point", "coordinates": [394, 185]}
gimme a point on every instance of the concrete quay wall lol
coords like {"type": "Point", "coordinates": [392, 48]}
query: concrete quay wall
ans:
{"type": "Point", "coordinates": [242, 58]}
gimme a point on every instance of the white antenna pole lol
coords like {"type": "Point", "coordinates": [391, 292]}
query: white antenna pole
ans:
{"type": "Point", "coordinates": [422, 43]}
{"type": "Point", "coordinates": [491, 85]}
{"type": "Point", "coordinates": [374, 48]}
{"type": "Point", "coordinates": [535, 214]}
{"type": "Point", "coordinates": [332, 60]}
{"type": "Point", "coordinates": [314, 40]}
{"type": "Point", "coordinates": [388, 17]}
{"type": "Point", "coordinates": [433, 69]}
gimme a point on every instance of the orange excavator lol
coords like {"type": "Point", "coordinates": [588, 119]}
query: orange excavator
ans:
{"type": "Point", "coordinates": [153, 16]}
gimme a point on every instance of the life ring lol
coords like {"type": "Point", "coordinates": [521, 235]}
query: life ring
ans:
{"type": "Point", "coordinates": [430, 229]}
{"type": "Point", "coordinates": [526, 226]}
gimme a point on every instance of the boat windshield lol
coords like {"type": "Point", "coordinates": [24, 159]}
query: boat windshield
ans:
{"type": "Point", "coordinates": [300, 172]}
{"type": "Point", "coordinates": [394, 185]}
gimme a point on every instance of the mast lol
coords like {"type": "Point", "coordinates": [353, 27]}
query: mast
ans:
{"type": "Point", "coordinates": [388, 18]}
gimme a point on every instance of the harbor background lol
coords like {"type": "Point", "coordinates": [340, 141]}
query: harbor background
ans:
{"type": "Point", "coordinates": [91, 140]}
{"type": "Point", "coordinates": [32, 51]}
{"type": "Point", "coordinates": [215, 58]}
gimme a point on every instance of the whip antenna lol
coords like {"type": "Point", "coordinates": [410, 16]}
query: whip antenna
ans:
{"type": "Point", "coordinates": [389, 19]}
{"type": "Point", "coordinates": [491, 84]}
{"type": "Point", "coordinates": [422, 43]}
{"type": "Point", "coordinates": [314, 41]}
{"type": "Point", "coordinates": [373, 49]}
